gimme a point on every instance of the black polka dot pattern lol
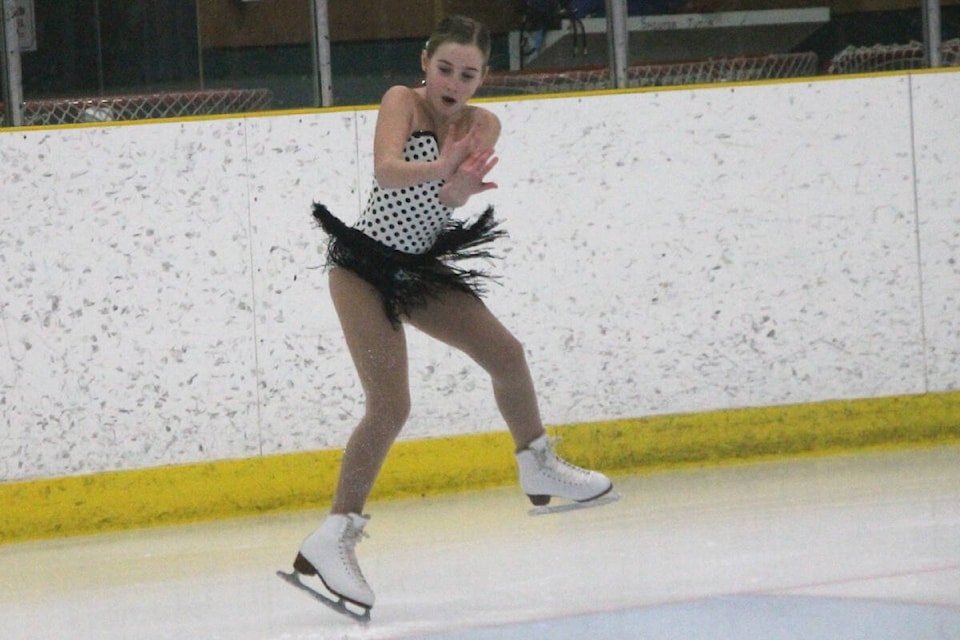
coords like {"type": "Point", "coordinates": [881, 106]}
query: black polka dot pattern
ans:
{"type": "Point", "coordinates": [411, 218]}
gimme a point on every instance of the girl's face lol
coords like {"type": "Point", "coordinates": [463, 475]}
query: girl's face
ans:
{"type": "Point", "coordinates": [454, 74]}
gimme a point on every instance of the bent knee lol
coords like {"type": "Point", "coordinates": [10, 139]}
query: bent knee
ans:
{"type": "Point", "coordinates": [388, 416]}
{"type": "Point", "coordinates": [505, 356]}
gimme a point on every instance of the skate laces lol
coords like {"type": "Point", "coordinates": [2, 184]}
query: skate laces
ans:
{"type": "Point", "coordinates": [352, 535]}
{"type": "Point", "coordinates": [566, 471]}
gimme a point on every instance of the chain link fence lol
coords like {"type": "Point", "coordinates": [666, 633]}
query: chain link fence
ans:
{"type": "Point", "coordinates": [891, 57]}
{"type": "Point", "coordinates": [738, 69]}
{"type": "Point", "coordinates": [144, 106]}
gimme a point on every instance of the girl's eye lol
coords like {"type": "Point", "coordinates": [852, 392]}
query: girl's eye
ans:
{"type": "Point", "coordinates": [468, 77]}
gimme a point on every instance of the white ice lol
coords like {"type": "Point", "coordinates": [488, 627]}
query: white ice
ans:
{"type": "Point", "coordinates": [855, 546]}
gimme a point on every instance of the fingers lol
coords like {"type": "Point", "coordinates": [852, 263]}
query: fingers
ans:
{"type": "Point", "coordinates": [476, 167]}
{"type": "Point", "coordinates": [472, 171]}
{"type": "Point", "coordinates": [482, 160]}
{"type": "Point", "coordinates": [488, 166]}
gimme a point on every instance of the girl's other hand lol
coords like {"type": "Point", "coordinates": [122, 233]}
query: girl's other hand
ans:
{"type": "Point", "coordinates": [455, 151]}
{"type": "Point", "coordinates": [469, 178]}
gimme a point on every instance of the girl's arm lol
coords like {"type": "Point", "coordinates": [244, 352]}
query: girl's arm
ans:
{"type": "Point", "coordinates": [395, 124]}
{"type": "Point", "coordinates": [468, 178]}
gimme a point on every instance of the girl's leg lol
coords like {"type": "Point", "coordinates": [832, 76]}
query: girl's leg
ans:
{"type": "Point", "coordinates": [465, 323]}
{"type": "Point", "coordinates": [379, 352]}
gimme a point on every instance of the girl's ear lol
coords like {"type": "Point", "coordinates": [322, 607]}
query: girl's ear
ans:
{"type": "Point", "coordinates": [424, 60]}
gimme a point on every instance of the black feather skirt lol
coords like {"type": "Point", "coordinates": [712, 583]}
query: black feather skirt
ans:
{"type": "Point", "coordinates": [406, 281]}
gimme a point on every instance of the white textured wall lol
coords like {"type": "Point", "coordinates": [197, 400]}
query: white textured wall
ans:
{"type": "Point", "coordinates": [670, 252]}
{"type": "Point", "coordinates": [936, 117]}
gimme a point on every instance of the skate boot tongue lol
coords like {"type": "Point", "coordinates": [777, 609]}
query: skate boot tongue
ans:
{"type": "Point", "coordinates": [358, 522]}
{"type": "Point", "coordinates": [352, 534]}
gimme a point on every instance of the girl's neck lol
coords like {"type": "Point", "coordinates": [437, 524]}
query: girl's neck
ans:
{"type": "Point", "coordinates": [434, 121]}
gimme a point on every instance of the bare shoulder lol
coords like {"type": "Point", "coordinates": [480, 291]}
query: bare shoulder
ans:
{"type": "Point", "coordinates": [396, 118]}
{"type": "Point", "coordinates": [488, 124]}
{"type": "Point", "coordinates": [399, 95]}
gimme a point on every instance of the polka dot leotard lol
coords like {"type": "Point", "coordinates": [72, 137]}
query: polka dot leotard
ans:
{"type": "Point", "coordinates": [408, 219]}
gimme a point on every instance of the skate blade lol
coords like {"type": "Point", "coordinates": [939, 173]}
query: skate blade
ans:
{"type": "Point", "coordinates": [340, 606]}
{"type": "Point", "coordinates": [606, 498]}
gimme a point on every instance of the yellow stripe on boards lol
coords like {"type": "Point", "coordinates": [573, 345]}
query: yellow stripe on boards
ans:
{"type": "Point", "coordinates": [186, 493]}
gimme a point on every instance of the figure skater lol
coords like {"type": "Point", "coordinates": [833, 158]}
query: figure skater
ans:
{"type": "Point", "coordinates": [399, 265]}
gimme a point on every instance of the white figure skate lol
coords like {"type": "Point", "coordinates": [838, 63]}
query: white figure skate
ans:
{"type": "Point", "coordinates": [329, 553]}
{"type": "Point", "coordinates": [544, 475]}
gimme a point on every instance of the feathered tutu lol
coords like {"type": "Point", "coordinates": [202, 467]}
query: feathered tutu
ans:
{"type": "Point", "coordinates": [408, 280]}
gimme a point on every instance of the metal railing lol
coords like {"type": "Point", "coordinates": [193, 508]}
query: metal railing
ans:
{"type": "Point", "coordinates": [620, 69]}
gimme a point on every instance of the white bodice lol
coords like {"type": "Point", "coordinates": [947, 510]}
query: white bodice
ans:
{"type": "Point", "coordinates": [411, 218]}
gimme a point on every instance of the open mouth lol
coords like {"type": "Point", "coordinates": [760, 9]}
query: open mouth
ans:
{"type": "Point", "coordinates": [447, 100]}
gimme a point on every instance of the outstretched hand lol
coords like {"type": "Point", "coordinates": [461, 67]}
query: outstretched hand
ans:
{"type": "Point", "coordinates": [475, 168]}
{"type": "Point", "coordinates": [469, 178]}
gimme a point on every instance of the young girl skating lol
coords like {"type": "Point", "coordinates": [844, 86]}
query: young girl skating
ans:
{"type": "Point", "coordinates": [398, 265]}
